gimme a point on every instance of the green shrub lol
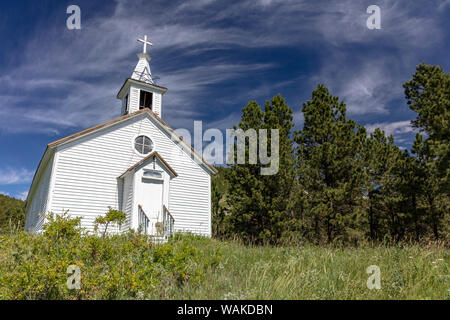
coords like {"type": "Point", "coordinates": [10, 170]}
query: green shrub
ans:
{"type": "Point", "coordinates": [62, 226]}
{"type": "Point", "coordinates": [127, 266]}
{"type": "Point", "coordinates": [112, 216]}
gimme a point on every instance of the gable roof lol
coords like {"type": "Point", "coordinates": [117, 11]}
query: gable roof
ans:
{"type": "Point", "coordinates": [49, 151]}
{"type": "Point", "coordinates": [150, 156]}
{"type": "Point", "coordinates": [92, 129]}
{"type": "Point", "coordinates": [163, 124]}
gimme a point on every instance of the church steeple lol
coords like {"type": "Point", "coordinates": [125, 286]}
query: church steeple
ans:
{"type": "Point", "coordinates": [140, 91]}
{"type": "Point", "coordinates": [142, 71]}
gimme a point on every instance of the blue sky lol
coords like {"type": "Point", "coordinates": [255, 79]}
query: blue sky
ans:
{"type": "Point", "coordinates": [214, 56]}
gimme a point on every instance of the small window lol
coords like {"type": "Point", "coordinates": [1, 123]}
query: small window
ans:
{"type": "Point", "coordinates": [126, 104]}
{"type": "Point", "coordinates": [143, 144]}
{"type": "Point", "coordinates": [151, 174]}
{"type": "Point", "coordinates": [145, 100]}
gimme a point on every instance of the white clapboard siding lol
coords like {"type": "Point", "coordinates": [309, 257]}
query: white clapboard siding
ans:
{"type": "Point", "coordinates": [87, 170]}
{"type": "Point", "coordinates": [128, 200]}
{"type": "Point", "coordinates": [156, 103]}
{"type": "Point", "coordinates": [134, 99]}
{"type": "Point", "coordinates": [125, 102]}
{"type": "Point", "coordinates": [39, 200]}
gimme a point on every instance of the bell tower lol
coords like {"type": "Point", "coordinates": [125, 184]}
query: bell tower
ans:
{"type": "Point", "coordinates": [139, 91]}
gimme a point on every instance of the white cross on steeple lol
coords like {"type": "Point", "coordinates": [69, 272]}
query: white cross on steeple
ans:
{"type": "Point", "coordinates": [145, 42]}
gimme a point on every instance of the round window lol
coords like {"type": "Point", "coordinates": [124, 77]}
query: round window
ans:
{"type": "Point", "coordinates": [143, 144]}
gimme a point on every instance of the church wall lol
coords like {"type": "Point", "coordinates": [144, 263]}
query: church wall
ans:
{"type": "Point", "coordinates": [128, 200]}
{"type": "Point", "coordinates": [189, 192]}
{"type": "Point", "coordinates": [35, 220]}
{"type": "Point", "coordinates": [86, 175]}
{"type": "Point", "coordinates": [189, 195]}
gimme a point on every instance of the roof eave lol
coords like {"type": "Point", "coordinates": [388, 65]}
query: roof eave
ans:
{"type": "Point", "coordinates": [120, 94]}
{"type": "Point", "coordinates": [48, 153]}
{"type": "Point", "coordinates": [93, 129]}
{"type": "Point", "coordinates": [208, 167]}
{"type": "Point", "coordinates": [147, 158]}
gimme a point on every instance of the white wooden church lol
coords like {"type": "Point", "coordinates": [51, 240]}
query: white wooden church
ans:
{"type": "Point", "coordinates": [135, 163]}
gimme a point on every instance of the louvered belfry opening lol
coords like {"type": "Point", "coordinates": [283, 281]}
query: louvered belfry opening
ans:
{"type": "Point", "coordinates": [145, 100]}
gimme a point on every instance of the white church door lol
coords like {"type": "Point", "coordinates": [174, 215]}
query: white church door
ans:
{"type": "Point", "coordinates": [151, 196]}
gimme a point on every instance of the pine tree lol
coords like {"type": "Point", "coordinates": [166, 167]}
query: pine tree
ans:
{"type": "Point", "coordinates": [219, 191]}
{"type": "Point", "coordinates": [410, 187]}
{"type": "Point", "coordinates": [381, 160]}
{"type": "Point", "coordinates": [245, 198]}
{"type": "Point", "coordinates": [428, 94]}
{"type": "Point", "coordinates": [259, 204]}
{"type": "Point", "coordinates": [329, 167]}
{"type": "Point", "coordinates": [431, 189]}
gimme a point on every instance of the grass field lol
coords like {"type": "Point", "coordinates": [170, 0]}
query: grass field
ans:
{"type": "Point", "coordinates": [128, 267]}
{"type": "Point", "coordinates": [409, 272]}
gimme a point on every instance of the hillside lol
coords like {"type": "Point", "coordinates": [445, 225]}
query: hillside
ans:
{"type": "Point", "coordinates": [130, 267]}
{"type": "Point", "coordinates": [11, 213]}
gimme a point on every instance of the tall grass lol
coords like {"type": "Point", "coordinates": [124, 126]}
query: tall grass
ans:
{"type": "Point", "coordinates": [310, 272]}
{"type": "Point", "coordinates": [189, 267]}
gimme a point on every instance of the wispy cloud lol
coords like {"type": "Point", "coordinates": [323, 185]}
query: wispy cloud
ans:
{"type": "Point", "coordinates": [444, 4]}
{"type": "Point", "coordinates": [72, 82]}
{"type": "Point", "coordinates": [398, 129]}
{"type": "Point", "coordinates": [22, 195]}
{"type": "Point", "coordinates": [366, 88]}
{"type": "Point", "coordinates": [10, 176]}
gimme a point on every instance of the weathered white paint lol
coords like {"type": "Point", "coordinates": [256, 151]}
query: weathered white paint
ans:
{"type": "Point", "coordinates": [86, 177]}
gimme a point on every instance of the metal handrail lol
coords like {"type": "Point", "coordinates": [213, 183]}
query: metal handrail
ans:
{"type": "Point", "coordinates": [169, 222]}
{"type": "Point", "coordinates": [143, 220]}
